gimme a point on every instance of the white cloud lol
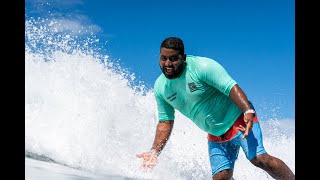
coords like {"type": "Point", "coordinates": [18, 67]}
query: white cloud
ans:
{"type": "Point", "coordinates": [65, 16]}
{"type": "Point", "coordinates": [56, 2]}
{"type": "Point", "coordinates": [75, 26]}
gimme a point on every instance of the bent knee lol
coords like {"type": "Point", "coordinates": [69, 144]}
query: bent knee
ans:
{"type": "Point", "coordinates": [223, 175]}
{"type": "Point", "coordinates": [261, 160]}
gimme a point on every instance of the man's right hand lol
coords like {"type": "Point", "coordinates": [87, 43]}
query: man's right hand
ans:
{"type": "Point", "coordinates": [150, 159]}
{"type": "Point", "coordinates": [163, 132]}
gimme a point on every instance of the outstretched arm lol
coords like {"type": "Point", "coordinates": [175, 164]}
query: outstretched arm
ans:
{"type": "Point", "coordinates": [241, 100]}
{"type": "Point", "coordinates": [163, 132]}
{"type": "Point", "coordinates": [162, 135]}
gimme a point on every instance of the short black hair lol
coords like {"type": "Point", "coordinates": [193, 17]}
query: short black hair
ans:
{"type": "Point", "coordinates": [173, 43]}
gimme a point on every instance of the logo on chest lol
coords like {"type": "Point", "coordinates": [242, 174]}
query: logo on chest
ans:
{"type": "Point", "coordinates": [192, 87]}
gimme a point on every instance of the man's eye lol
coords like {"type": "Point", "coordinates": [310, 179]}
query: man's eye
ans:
{"type": "Point", "coordinates": [163, 58]}
{"type": "Point", "coordinates": [174, 58]}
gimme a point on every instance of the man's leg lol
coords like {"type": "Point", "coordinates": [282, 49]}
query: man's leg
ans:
{"type": "Point", "coordinates": [253, 148]}
{"type": "Point", "coordinates": [222, 158]}
{"type": "Point", "coordinates": [223, 175]}
{"type": "Point", "coordinates": [275, 167]}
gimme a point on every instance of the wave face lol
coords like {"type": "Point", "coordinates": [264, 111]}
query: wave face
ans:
{"type": "Point", "coordinates": [85, 111]}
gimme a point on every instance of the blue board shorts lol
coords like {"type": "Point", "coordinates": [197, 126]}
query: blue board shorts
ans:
{"type": "Point", "coordinates": [224, 154]}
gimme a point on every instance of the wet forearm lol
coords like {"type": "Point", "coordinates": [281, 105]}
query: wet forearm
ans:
{"type": "Point", "coordinates": [162, 135]}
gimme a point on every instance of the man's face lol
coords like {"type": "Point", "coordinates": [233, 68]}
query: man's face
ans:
{"type": "Point", "coordinates": [171, 63]}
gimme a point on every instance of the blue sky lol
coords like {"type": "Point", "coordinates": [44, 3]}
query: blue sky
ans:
{"type": "Point", "coordinates": [253, 40]}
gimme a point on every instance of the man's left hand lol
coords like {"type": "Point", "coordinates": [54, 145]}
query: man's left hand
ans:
{"type": "Point", "coordinates": [248, 120]}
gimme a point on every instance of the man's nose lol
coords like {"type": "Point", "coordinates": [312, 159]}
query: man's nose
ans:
{"type": "Point", "coordinates": [168, 63]}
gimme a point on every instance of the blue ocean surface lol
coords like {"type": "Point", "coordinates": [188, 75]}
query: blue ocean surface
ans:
{"type": "Point", "coordinates": [86, 118]}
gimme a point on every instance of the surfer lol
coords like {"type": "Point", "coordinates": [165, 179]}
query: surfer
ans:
{"type": "Point", "coordinates": [202, 90]}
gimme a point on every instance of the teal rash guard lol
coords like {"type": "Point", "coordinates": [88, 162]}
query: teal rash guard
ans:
{"type": "Point", "coordinates": [201, 93]}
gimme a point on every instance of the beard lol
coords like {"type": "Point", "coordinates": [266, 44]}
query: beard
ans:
{"type": "Point", "coordinates": [176, 72]}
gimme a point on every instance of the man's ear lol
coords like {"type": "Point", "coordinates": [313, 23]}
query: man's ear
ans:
{"type": "Point", "coordinates": [184, 57]}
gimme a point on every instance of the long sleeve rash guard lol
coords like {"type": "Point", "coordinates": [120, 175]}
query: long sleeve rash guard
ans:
{"type": "Point", "coordinates": [201, 93]}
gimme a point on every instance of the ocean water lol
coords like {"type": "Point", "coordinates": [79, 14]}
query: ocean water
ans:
{"type": "Point", "coordinates": [86, 117]}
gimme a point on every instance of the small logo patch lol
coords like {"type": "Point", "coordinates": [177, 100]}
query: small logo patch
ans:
{"type": "Point", "coordinates": [172, 96]}
{"type": "Point", "coordinates": [192, 87]}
